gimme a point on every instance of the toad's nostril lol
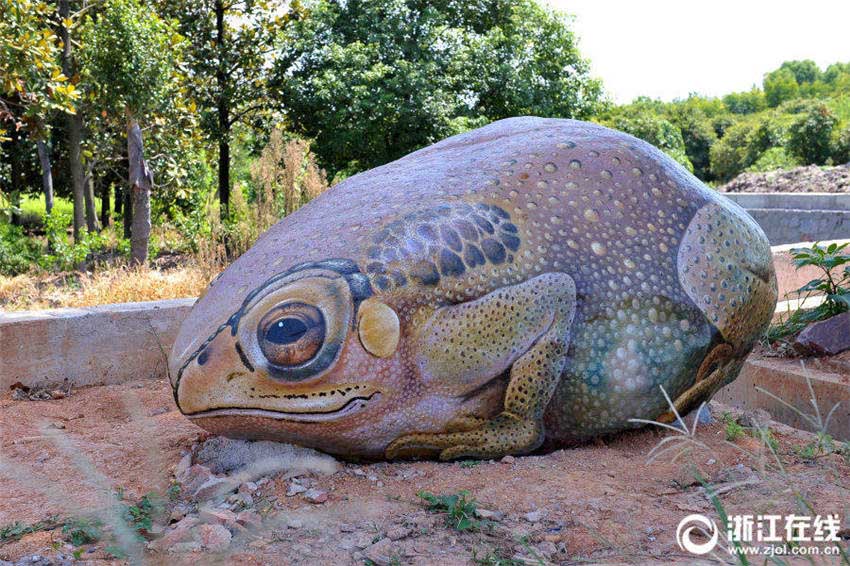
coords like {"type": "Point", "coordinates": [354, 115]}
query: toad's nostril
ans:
{"type": "Point", "coordinates": [203, 356]}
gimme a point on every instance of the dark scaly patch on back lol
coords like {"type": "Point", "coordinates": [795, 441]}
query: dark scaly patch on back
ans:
{"type": "Point", "coordinates": [447, 240]}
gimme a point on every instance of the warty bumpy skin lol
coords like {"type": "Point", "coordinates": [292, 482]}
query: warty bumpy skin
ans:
{"type": "Point", "coordinates": [535, 282]}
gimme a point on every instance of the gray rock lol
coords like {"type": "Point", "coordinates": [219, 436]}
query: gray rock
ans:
{"type": "Point", "coordinates": [213, 488]}
{"type": "Point", "coordinates": [381, 553]}
{"type": "Point", "coordinates": [826, 337]}
{"type": "Point", "coordinates": [215, 538]}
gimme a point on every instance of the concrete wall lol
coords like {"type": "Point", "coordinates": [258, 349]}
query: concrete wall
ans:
{"type": "Point", "coordinates": [786, 379]}
{"type": "Point", "coordinates": [96, 345]}
{"type": "Point", "coordinates": [796, 201]}
{"type": "Point", "coordinates": [798, 217]}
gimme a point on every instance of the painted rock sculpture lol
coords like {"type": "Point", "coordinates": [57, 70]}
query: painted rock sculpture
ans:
{"type": "Point", "coordinates": [535, 282]}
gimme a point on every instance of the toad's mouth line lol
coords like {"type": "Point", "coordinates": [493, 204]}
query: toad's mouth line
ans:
{"type": "Point", "coordinates": [352, 406]}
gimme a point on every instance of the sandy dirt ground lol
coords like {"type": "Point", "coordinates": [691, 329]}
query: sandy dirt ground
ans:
{"type": "Point", "coordinates": [97, 452]}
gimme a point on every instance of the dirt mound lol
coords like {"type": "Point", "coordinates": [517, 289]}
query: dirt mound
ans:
{"type": "Point", "coordinates": [809, 179]}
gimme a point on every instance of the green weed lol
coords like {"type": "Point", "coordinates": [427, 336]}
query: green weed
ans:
{"type": "Point", "coordinates": [458, 508]}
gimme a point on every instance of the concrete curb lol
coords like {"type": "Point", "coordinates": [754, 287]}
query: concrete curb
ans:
{"type": "Point", "coordinates": [89, 346]}
{"type": "Point", "coordinates": [793, 201]}
{"type": "Point", "coordinates": [787, 381]}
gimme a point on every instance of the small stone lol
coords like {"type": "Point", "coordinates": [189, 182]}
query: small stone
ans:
{"type": "Point", "coordinates": [317, 496]}
{"type": "Point", "coordinates": [178, 533]}
{"type": "Point", "coordinates": [57, 394]}
{"type": "Point", "coordinates": [508, 459]}
{"type": "Point", "coordinates": [362, 540]}
{"type": "Point", "coordinates": [215, 538]}
{"type": "Point", "coordinates": [183, 465]}
{"type": "Point", "coordinates": [826, 337]}
{"type": "Point", "coordinates": [249, 518]}
{"type": "Point", "coordinates": [358, 472]}
{"type": "Point", "coordinates": [213, 488]}
{"type": "Point", "coordinates": [758, 418]}
{"type": "Point", "coordinates": [489, 515]}
{"type": "Point", "coordinates": [533, 516]}
{"type": "Point", "coordinates": [398, 533]}
{"type": "Point", "coordinates": [217, 516]}
{"type": "Point", "coordinates": [294, 523]}
{"type": "Point", "coordinates": [295, 489]}
{"type": "Point", "coordinates": [194, 477]}
{"type": "Point", "coordinates": [185, 547]}
{"type": "Point", "coordinates": [381, 553]}
{"type": "Point", "coordinates": [178, 512]}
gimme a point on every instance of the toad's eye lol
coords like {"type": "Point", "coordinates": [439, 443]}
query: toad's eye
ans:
{"type": "Point", "coordinates": [291, 334]}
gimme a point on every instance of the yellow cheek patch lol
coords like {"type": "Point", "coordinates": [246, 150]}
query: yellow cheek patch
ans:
{"type": "Point", "coordinates": [378, 327]}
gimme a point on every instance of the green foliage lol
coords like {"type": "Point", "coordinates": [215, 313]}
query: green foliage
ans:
{"type": "Point", "coordinates": [80, 531]}
{"type": "Point", "coordinates": [779, 86]}
{"type": "Point", "coordinates": [30, 75]}
{"type": "Point", "coordinates": [841, 147]}
{"type": "Point", "coordinates": [810, 137]}
{"type": "Point", "coordinates": [459, 511]}
{"type": "Point", "coordinates": [732, 429]}
{"type": "Point", "coordinates": [834, 286]}
{"type": "Point", "coordinates": [775, 158]}
{"type": "Point", "coordinates": [128, 55]}
{"type": "Point", "coordinates": [747, 102]}
{"type": "Point", "coordinates": [372, 81]}
{"type": "Point", "coordinates": [140, 515]}
{"type": "Point", "coordinates": [806, 71]}
{"type": "Point", "coordinates": [732, 153]}
{"type": "Point", "coordinates": [18, 252]}
{"type": "Point", "coordinates": [15, 531]}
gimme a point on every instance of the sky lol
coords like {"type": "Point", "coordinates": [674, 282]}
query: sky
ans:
{"type": "Point", "coordinates": [667, 48]}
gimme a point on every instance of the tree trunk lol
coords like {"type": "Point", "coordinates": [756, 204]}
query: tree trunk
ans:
{"type": "Point", "coordinates": [16, 175]}
{"type": "Point", "coordinates": [92, 223]}
{"type": "Point", "coordinates": [75, 128]}
{"type": "Point", "coordinates": [141, 181]}
{"type": "Point", "coordinates": [223, 113]}
{"type": "Point", "coordinates": [46, 174]}
{"type": "Point", "coordinates": [105, 212]}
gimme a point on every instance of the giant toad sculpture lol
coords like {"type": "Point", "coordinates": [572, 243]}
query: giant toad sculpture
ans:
{"type": "Point", "coordinates": [535, 282]}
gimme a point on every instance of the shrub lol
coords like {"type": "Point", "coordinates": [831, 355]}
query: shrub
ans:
{"type": "Point", "coordinates": [841, 147]}
{"type": "Point", "coordinates": [810, 137]}
{"type": "Point", "coordinates": [17, 251]}
{"type": "Point", "coordinates": [773, 159]}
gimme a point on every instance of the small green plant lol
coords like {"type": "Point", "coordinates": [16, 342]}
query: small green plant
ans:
{"type": "Point", "coordinates": [80, 531]}
{"type": "Point", "coordinates": [732, 429]}
{"type": "Point", "coordinates": [14, 531]}
{"type": "Point", "coordinates": [458, 508]}
{"type": "Point", "coordinates": [141, 514]}
{"type": "Point", "coordinates": [469, 463]}
{"type": "Point", "coordinates": [834, 287]}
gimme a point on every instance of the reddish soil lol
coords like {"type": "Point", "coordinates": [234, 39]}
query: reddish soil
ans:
{"type": "Point", "coordinates": [601, 503]}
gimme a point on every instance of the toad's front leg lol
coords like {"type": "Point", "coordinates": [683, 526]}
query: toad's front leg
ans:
{"type": "Point", "coordinates": [524, 327]}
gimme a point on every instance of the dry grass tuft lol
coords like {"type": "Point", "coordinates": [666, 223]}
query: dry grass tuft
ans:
{"type": "Point", "coordinates": [118, 285]}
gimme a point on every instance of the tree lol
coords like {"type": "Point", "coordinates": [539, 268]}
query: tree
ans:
{"type": "Point", "coordinates": [373, 80]}
{"type": "Point", "coordinates": [656, 130]}
{"type": "Point", "coordinates": [746, 102]}
{"type": "Point", "coordinates": [806, 71]}
{"type": "Point", "coordinates": [129, 63]}
{"type": "Point", "coordinates": [230, 45]}
{"type": "Point", "coordinates": [810, 137]}
{"type": "Point", "coordinates": [32, 83]}
{"type": "Point", "coordinates": [779, 86]}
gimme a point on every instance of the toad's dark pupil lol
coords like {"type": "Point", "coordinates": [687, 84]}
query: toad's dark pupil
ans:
{"type": "Point", "coordinates": [286, 331]}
